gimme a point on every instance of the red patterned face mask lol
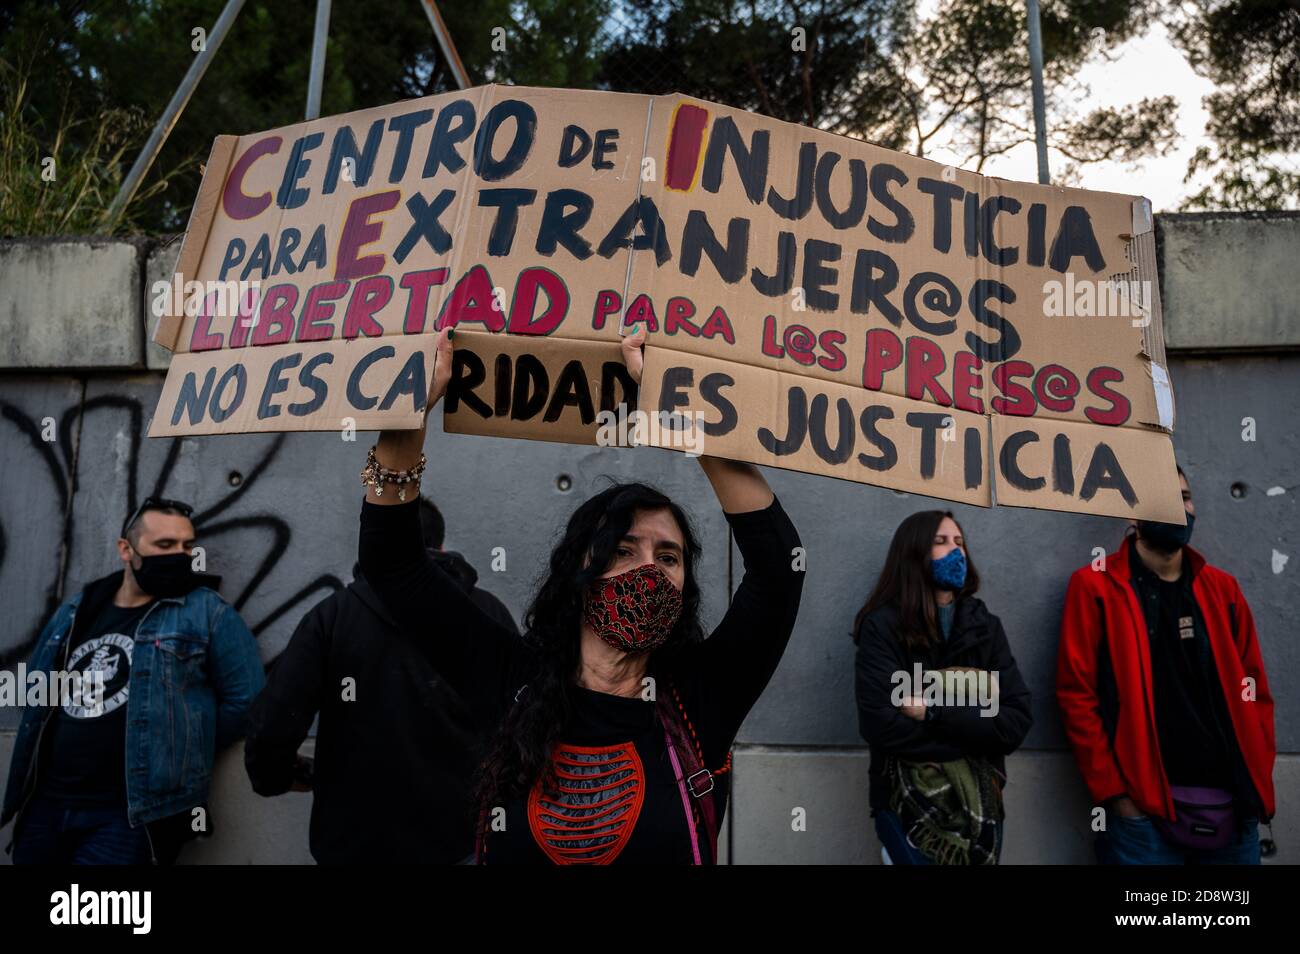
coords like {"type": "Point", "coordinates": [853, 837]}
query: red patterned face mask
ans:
{"type": "Point", "coordinates": [634, 611]}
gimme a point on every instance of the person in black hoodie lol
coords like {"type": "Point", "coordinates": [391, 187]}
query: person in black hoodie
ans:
{"type": "Point", "coordinates": [458, 568]}
{"type": "Point", "coordinates": [940, 700]}
{"type": "Point", "coordinates": [397, 746]}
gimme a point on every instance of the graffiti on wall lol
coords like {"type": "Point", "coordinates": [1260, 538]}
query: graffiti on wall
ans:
{"type": "Point", "coordinates": [62, 471]}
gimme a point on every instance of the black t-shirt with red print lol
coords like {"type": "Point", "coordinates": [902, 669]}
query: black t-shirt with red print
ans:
{"type": "Point", "coordinates": [616, 796]}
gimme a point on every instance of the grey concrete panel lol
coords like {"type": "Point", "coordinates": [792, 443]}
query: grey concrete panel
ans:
{"type": "Point", "coordinates": [1247, 495]}
{"type": "Point", "coordinates": [805, 807]}
{"type": "Point", "coordinates": [1229, 279]}
{"type": "Point", "coordinates": [159, 267]}
{"type": "Point", "coordinates": [248, 829]}
{"type": "Point", "coordinates": [70, 303]}
{"type": "Point", "coordinates": [37, 475]}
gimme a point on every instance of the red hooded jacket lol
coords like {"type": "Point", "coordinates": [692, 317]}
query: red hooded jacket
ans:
{"type": "Point", "coordinates": [1102, 611]}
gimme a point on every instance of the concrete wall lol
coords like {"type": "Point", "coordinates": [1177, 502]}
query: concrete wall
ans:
{"type": "Point", "coordinates": [1228, 279]}
{"type": "Point", "coordinates": [282, 543]}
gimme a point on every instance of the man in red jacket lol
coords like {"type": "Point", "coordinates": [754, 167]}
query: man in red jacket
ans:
{"type": "Point", "coordinates": [1163, 694]}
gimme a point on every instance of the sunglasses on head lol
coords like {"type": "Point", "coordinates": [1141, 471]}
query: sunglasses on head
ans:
{"type": "Point", "coordinates": [156, 503]}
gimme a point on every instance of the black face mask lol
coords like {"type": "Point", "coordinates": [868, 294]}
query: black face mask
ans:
{"type": "Point", "coordinates": [1166, 537]}
{"type": "Point", "coordinates": [167, 574]}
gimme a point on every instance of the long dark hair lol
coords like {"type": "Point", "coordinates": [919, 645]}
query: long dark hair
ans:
{"type": "Point", "coordinates": [521, 750]}
{"type": "Point", "coordinates": [905, 584]}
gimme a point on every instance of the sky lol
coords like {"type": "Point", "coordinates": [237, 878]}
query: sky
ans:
{"type": "Point", "coordinates": [1149, 65]}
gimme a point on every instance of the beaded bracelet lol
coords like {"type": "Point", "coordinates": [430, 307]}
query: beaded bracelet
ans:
{"type": "Point", "coordinates": [372, 475]}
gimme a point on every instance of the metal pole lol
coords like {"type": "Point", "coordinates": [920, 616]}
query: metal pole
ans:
{"type": "Point", "coordinates": [317, 76]}
{"type": "Point", "coordinates": [445, 44]}
{"type": "Point", "coordinates": [1036, 71]}
{"type": "Point", "coordinates": [173, 111]}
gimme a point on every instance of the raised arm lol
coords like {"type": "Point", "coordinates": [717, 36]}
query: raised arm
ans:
{"type": "Point", "coordinates": [737, 661]}
{"type": "Point", "coordinates": [742, 654]}
{"type": "Point", "coordinates": [739, 487]}
{"type": "Point", "coordinates": [479, 657]}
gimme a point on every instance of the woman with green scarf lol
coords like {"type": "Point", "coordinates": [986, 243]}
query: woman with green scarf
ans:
{"type": "Point", "coordinates": [940, 700]}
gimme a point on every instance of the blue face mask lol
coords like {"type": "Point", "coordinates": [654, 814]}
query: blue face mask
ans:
{"type": "Point", "coordinates": [949, 573]}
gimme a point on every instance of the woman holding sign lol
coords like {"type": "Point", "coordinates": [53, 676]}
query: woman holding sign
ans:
{"type": "Point", "coordinates": [615, 716]}
{"type": "Point", "coordinates": [940, 700]}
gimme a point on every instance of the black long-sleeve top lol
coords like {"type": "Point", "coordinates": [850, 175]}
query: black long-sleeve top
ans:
{"type": "Point", "coordinates": [619, 799]}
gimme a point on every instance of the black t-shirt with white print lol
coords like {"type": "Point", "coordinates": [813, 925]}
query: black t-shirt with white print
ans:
{"type": "Point", "coordinates": [83, 753]}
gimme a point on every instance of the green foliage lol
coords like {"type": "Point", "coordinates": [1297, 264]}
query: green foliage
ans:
{"type": "Point", "coordinates": [1251, 50]}
{"type": "Point", "coordinates": [877, 70]}
{"type": "Point", "coordinates": [869, 68]}
{"type": "Point", "coordinates": [551, 43]}
{"type": "Point", "coordinates": [60, 177]}
{"type": "Point", "coordinates": [105, 55]}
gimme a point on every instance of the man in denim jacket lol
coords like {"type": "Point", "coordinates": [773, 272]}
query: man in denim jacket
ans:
{"type": "Point", "coordinates": [116, 778]}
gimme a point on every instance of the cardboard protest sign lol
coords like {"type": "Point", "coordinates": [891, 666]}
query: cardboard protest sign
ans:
{"type": "Point", "coordinates": [394, 223]}
{"type": "Point", "coordinates": [940, 313]}
{"type": "Point", "coordinates": [1067, 462]}
{"type": "Point", "coordinates": [820, 427]}
{"type": "Point", "coordinates": [520, 386]}
{"type": "Point", "coordinates": [384, 383]}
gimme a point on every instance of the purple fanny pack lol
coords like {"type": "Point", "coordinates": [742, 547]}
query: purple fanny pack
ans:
{"type": "Point", "coordinates": [1203, 818]}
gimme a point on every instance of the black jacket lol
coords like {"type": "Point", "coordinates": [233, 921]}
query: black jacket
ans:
{"type": "Point", "coordinates": [395, 761]}
{"type": "Point", "coordinates": [466, 577]}
{"type": "Point", "coordinates": [978, 640]}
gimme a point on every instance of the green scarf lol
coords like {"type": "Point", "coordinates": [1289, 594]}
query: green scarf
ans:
{"type": "Point", "coordinates": [951, 811]}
